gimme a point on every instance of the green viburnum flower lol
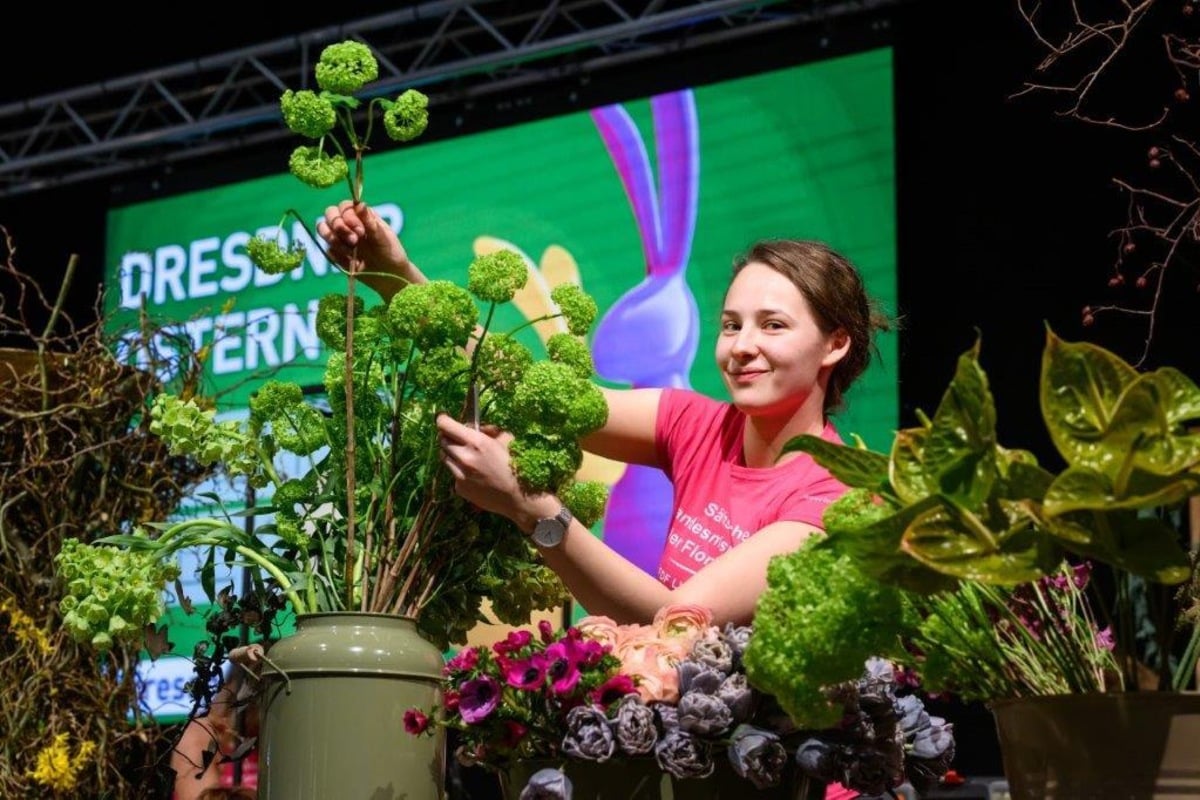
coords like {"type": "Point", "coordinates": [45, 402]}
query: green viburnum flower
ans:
{"type": "Point", "coordinates": [407, 117]}
{"type": "Point", "coordinates": [434, 313]}
{"type": "Point", "coordinates": [588, 410]}
{"type": "Point", "coordinates": [502, 361]}
{"type": "Point", "coordinates": [289, 531]}
{"type": "Point", "coordinates": [544, 461]}
{"type": "Point", "coordinates": [586, 500]}
{"type": "Point", "coordinates": [496, 277]}
{"type": "Point", "coordinates": [267, 255]}
{"type": "Point", "coordinates": [571, 350]}
{"type": "Point", "coordinates": [346, 67]}
{"type": "Point", "coordinates": [440, 368]}
{"type": "Point", "coordinates": [291, 493]}
{"type": "Point", "coordinates": [272, 399]}
{"type": "Point", "coordinates": [544, 394]}
{"type": "Point", "coordinates": [313, 167]}
{"type": "Point", "coordinates": [331, 319]}
{"type": "Point", "coordinates": [576, 305]}
{"type": "Point", "coordinates": [307, 113]}
{"type": "Point", "coordinates": [818, 622]}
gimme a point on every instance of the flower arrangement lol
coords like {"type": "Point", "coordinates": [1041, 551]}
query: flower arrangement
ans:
{"type": "Point", "coordinates": [973, 564]}
{"type": "Point", "coordinates": [674, 692]}
{"type": "Point", "coordinates": [373, 523]}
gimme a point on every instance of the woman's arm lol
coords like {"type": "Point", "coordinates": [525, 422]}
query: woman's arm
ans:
{"type": "Point", "coordinates": [601, 579]}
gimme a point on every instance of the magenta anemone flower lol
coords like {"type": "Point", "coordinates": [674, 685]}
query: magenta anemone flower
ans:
{"type": "Point", "coordinates": [526, 673]}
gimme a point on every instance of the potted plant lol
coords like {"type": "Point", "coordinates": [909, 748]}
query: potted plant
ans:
{"type": "Point", "coordinates": [973, 562]}
{"type": "Point", "coordinates": [603, 710]}
{"type": "Point", "coordinates": [382, 563]}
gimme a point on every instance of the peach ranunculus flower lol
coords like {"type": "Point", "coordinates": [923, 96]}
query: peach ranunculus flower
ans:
{"type": "Point", "coordinates": [653, 668]}
{"type": "Point", "coordinates": [600, 629]}
{"type": "Point", "coordinates": [683, 621]}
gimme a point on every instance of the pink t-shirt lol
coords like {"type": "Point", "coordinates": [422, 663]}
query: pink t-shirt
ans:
{"type": "Point", "coordinates": [719, 501]}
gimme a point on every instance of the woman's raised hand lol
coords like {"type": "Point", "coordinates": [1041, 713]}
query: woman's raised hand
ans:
{"type": "Point", "coordinates": [361, 242]}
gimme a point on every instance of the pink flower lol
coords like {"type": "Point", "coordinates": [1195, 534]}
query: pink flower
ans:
{"type": "Point", "coordinates": [514, 732]}
{"type": "Point", "coordinates": [613, 690]}
{"type": "Point", "coordinates": [563, 659]}
{"type": "Point", "coordinates": [685, 621]}
{"type": "Point", "coordinates": [1105, 639]}
{"type": "Point", "coordinates": [450, 699]}
{"type": "Point", "coordinates": [465, 661]}
{"type": "Point", "coordinates": [546, 631]}
{"type": "Point", "coordinates": [526, 673]}
{"type": "Point", "coordinates": [515, 641]}
{"type": "Point", "coordinates": [653, 668]}
{"type": "Point", "coordinates": [599, 629]}
{"type": "Point", "coordinates": [415, 722]}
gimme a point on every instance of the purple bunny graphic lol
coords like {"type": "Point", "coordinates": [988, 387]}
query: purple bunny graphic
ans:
{"type": "Point", "coordinates": [649, 336]}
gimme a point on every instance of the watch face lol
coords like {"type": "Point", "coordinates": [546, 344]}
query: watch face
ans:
{"type": "Point", "coordinates": [549, 532]}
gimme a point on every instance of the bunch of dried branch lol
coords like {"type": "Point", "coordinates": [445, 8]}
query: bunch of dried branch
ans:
{"type": "Point", "coordinates": [1133, 66]}
{"type": "Point", "coordinates": [77, 460]}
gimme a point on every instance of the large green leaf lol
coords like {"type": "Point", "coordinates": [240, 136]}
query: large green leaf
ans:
{"type": "Point", "coordinates": [1079, 489]}
{"type": "Point", "coordinates": [909, 479]}
{"type": "Point", "coordinates": [1180, 394]}
{"type": "Point", "coordinates": [1142, 545]}
{"type": "Point", "coordinates": [1147, 408]}
{"type": "Point", "coordinates": [960, 447]}
{"type": "Point", "coordinates": [853, 466]}
{"type": "Point", "coordinates": [1080, 386]}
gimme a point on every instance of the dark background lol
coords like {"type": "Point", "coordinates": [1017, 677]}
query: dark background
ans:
{"type": "Point", "coordinates": [1005, 206]}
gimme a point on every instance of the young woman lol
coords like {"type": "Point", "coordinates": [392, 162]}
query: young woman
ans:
{"type": "Point", "coordinates": [797, 329]}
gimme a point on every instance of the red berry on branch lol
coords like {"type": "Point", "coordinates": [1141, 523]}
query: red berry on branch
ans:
{"type": "Point", "coordinates": [1087, 311]}
{"type": "Point", "coordinates": [1129, 247]}
{"type": "Point", "coordinates": [1154, 151]}
{"type": "Point", "coordinates": [1155, 163]}
{"type": "Point", "coordinates": [1187, 9]}
{"type": "Point", "coordinates": [1181, 94]}
{"type": "Point", "coordinates": [1140, 282]}
{"type": "Point", "coordinates": [1088, 320]}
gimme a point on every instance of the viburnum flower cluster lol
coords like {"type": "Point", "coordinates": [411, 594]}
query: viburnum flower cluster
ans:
{"type": "Point", "coordinates": [370, 521]}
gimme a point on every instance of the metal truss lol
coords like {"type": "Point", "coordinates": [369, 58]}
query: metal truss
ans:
{"type": "Point", "coordinates": [451, 49]}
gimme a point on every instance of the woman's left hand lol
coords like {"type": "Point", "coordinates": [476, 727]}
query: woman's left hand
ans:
{"type": "Point", "coordinates": [479, 462]}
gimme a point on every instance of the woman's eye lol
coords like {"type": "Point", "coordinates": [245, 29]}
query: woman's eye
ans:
{"type": "Point", "coordinates": [729, 325]}
{"type": "Point", "coordinates": [773, 324]}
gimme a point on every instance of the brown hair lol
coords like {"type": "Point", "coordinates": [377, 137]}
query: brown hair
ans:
{"type": "Point", "coordinates": [836, 296]}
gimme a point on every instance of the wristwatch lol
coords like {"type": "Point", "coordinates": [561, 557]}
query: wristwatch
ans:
{"type": "Point", "coordinates": [549, 531]}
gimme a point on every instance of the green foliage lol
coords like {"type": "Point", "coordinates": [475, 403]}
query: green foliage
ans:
{"type": "Point", "coordinates": [950, 502]}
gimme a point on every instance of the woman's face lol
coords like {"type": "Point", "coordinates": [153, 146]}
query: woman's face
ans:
{"type": "Point", "coordinates": [770, 350]}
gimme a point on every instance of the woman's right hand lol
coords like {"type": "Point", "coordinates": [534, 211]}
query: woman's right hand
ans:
{"type": "Point", "coordinates": [361, 242]}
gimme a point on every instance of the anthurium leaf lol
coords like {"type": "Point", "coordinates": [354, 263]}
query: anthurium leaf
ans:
{"type": "Point", "coordinates": [1021, 477]}
{"type": "Point", "coordinates": [960, 447]}
{"type": "Point", "coordinates": [911, 481]}
{"type": "Point", "coordinates": [1079, 489]}
{"type": "Point", "coordinates": [1146, 409]}
{"type": "Point", "coordinates": [1180, 394]}
{"type": "Point", "coordinates": [853, 466]}
{"type": "Point", "coordinates": [1080, 386]}
{"type": "Point", "coordinates": [1142, 545]}
{"type": "Point", "coordinates": [938, 544]}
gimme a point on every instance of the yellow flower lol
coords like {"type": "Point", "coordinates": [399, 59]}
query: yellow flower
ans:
{"type": "Point", "coordinates": [22, 626]}
{"type": "Point", "coordinates": [55, 767]}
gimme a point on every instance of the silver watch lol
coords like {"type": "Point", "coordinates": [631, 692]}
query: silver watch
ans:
{"type": "Point", "coordinates": [549, 531]}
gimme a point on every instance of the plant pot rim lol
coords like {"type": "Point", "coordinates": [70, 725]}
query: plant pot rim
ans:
{"type": "Point", "coordinates": [1095, 698]}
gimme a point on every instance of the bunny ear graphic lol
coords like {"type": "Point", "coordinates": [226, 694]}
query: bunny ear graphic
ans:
{"type": "Point", "coordinates": [559, 267]}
